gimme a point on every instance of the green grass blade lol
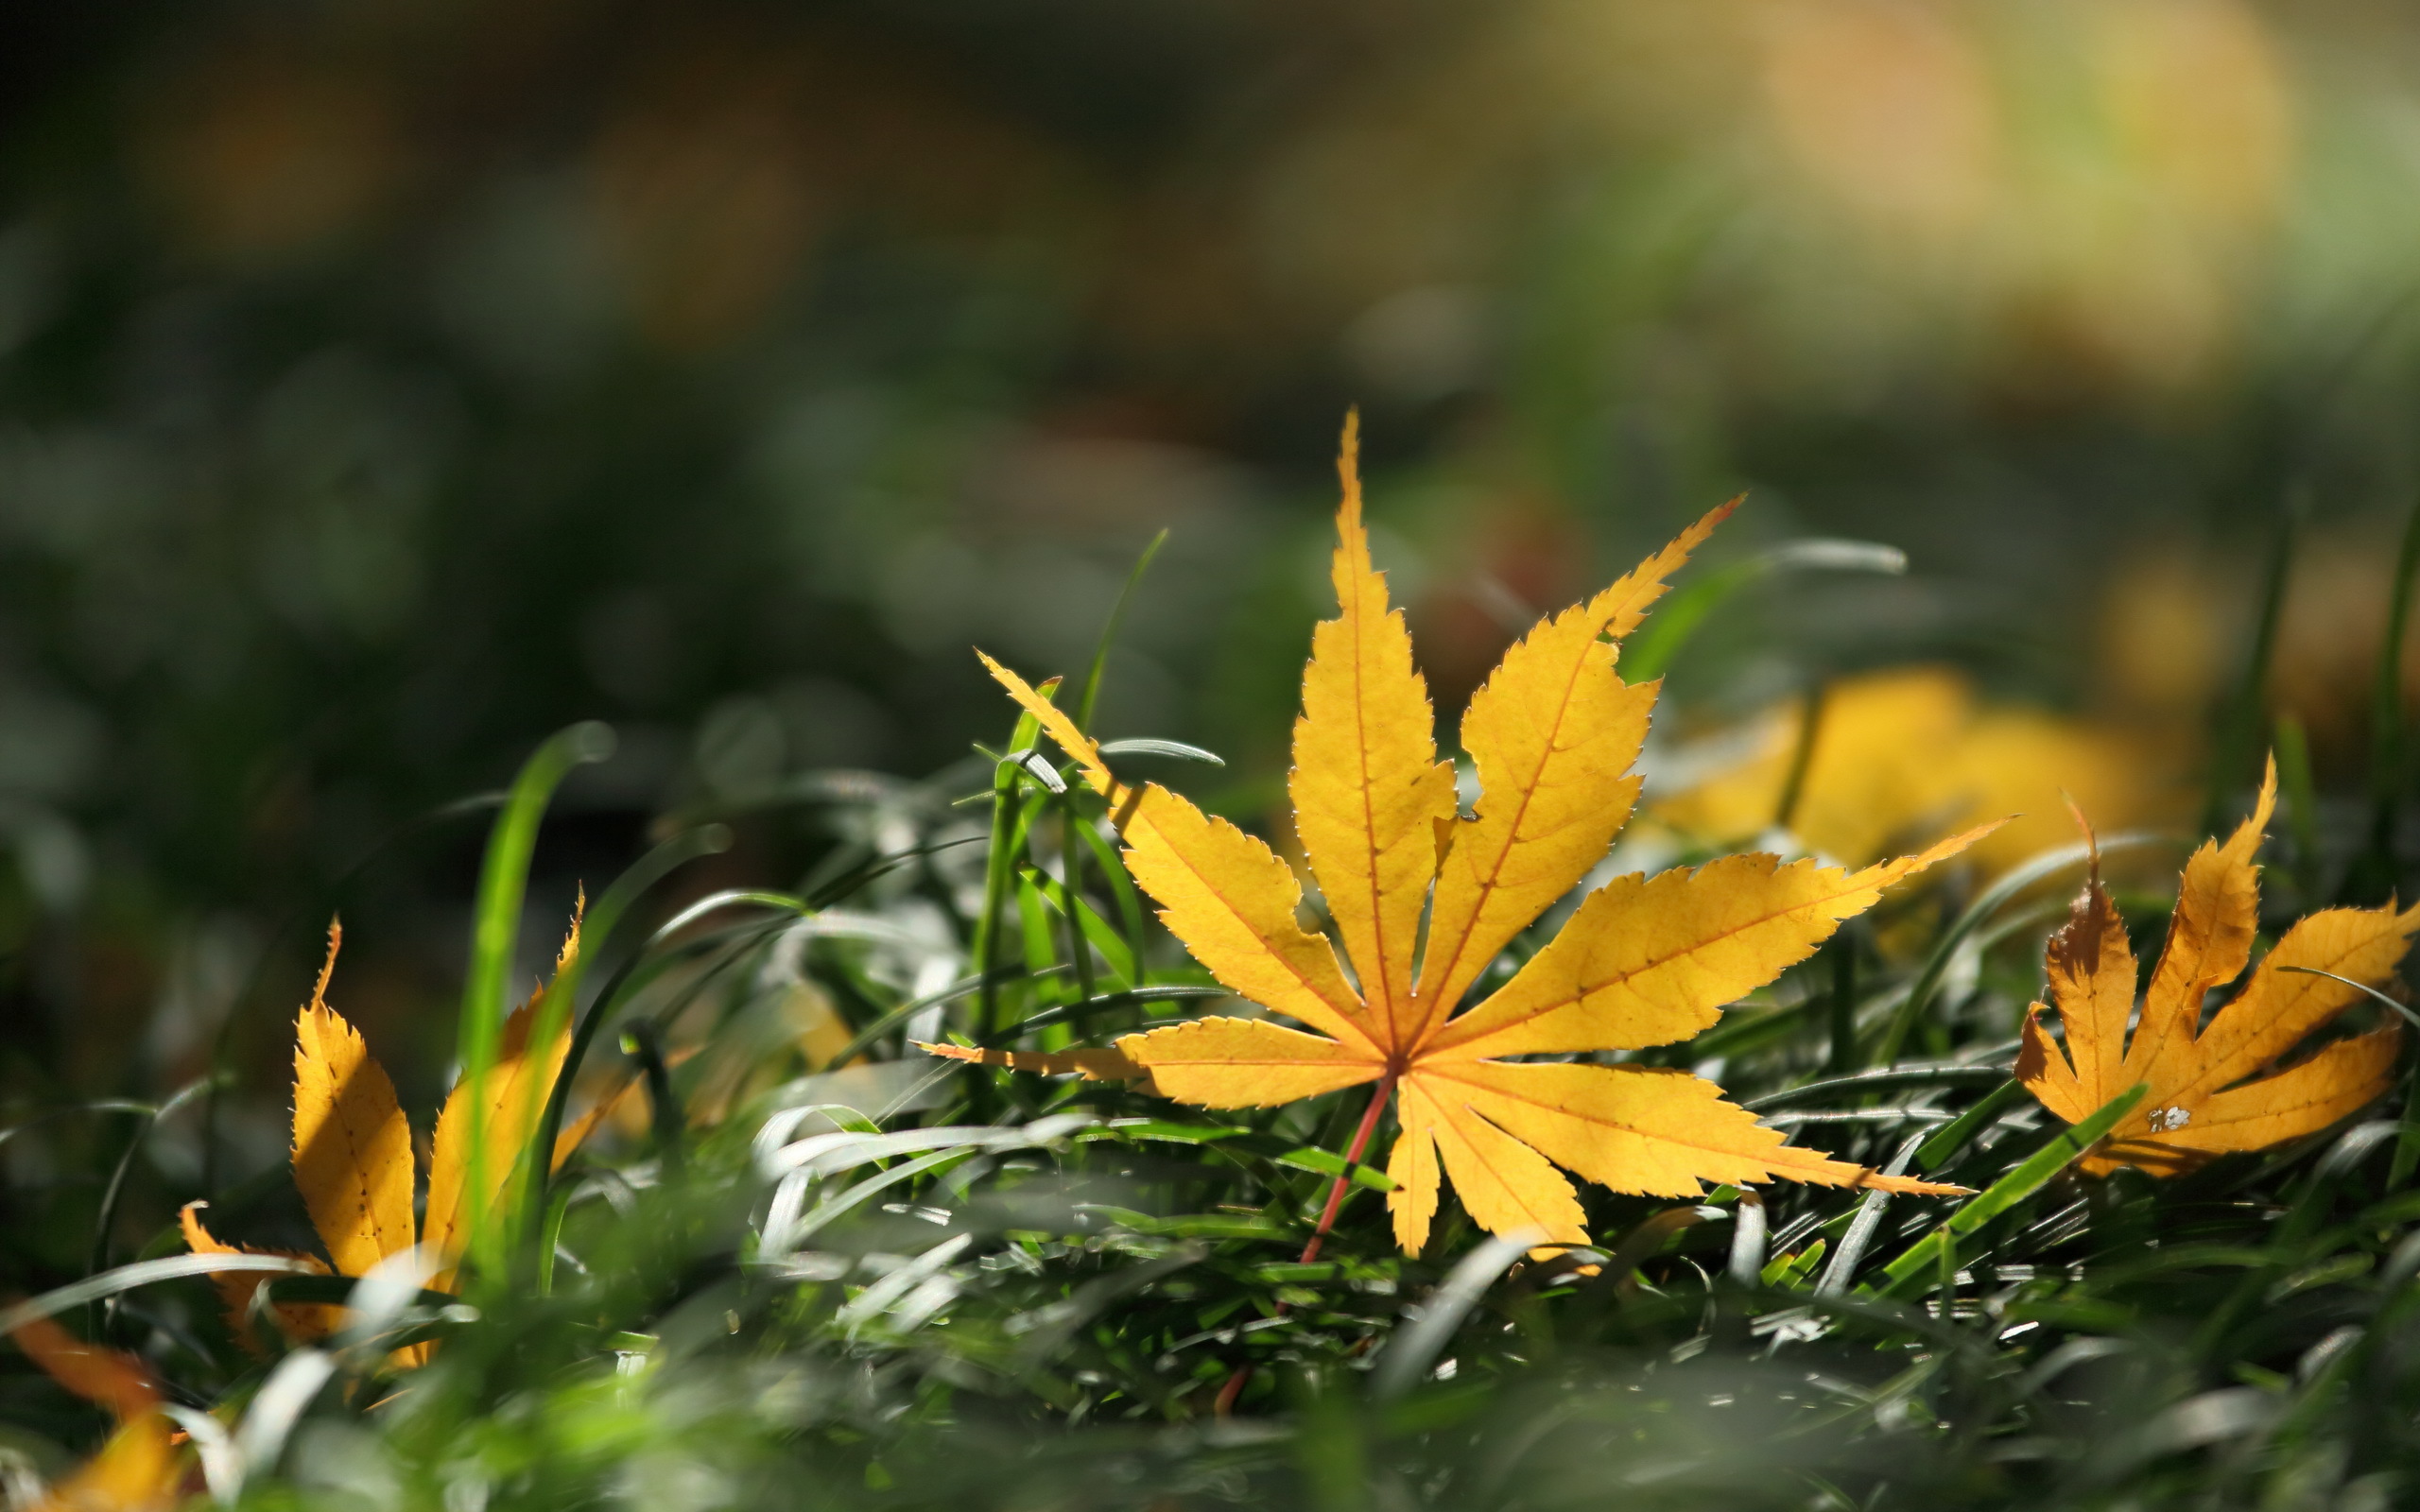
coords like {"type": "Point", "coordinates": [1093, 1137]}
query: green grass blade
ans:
{"type": "Point", "coordinates": [1906, 1273]}
{"type": "Point", "coordinates": [1108, 632]}
{"type": "Point", "coordinates": [504, 880]}
{"type": "Point", "coordinates": [1952, 1136]}
{"type": "Point", "coordinates": [1121, 888]}
{"type": "Point", "coordinates": [1650, 651]}
{"type": "Point", "coordinates": [562, 994]}
{"type": "Point", "coordinates": [1010, 814]}
{"type": "Point", "coordinates": [2240, 727]}
{"type": "Point", "coordinates": [1033, 924]}
{"type": "Point", "coordinates": [2302, 806]}
{"type": "Point", "coordinates": [1112, 945]}
{"type": "Point", "coordinates": [2386, 699]}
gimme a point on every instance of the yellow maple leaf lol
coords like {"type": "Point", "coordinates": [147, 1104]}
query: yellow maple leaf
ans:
{"type": "Point", "coordinates": [2199, 1103]}
{"type": "Point", "coordinates": [1912, 750]}
{"type": "Point", "coordinates": [1644, 962]}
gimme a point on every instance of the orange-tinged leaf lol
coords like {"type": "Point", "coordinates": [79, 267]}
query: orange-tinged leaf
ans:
{"type": "Point", "coordinates": [139, 1470]}
{"type": "Point", "coordinates": [1368, 789]}
{"type": "Point", "coordinates": [104, 1377]}
{"type": "Point", "coordinates": [2213, 1090]}
{"type": "Point", "coordinates": [514, 1091]}
{"type": "Point", "coordinates": [1092, 1065]}
{"type": "Point", "coordinates": [298, 1321]}
{"type": "Point", "coordinates": [1225, 893]}
{"type": "Point", "coordinates": [1246, 1062]}
{"type": "Point", "coordinates": [1553, 732]}
{"type": "Point", "coordinates": [353, 1151]}
{"type": "Point", "coordinates": [2091, 971]}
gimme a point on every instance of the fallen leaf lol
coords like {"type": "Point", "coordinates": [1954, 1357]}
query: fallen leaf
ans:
{"type": "Point", "coordinates": [1644, 962]}
{"type": "Point", "coordinates": [2200, 1103]}
{"type": "Point", "coordinates": [353, 1151]}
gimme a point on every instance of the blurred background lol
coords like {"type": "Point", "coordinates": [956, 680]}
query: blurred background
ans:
{"type": "Point", "coordinates": [384, 385]}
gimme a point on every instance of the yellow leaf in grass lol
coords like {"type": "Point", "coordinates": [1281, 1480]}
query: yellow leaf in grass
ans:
{"type": "Point", "coordinates": [2212, 1089]}
{"type": "Point", "coordinates": [353, 1151]}
{"type": "Point", "coordinates": [1553, 733]}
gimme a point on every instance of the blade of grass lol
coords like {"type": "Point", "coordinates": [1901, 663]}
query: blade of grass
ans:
{"type": "Point", "coordinates": [2302, 806]}
{"type": "Point", "coordinates": [1802, 757]}
{"type": "Point", "coordinates": [1113, 946]}
{"type": "Point", "coordinates": [141, 1272]}
{"type": "Point", "coordinates": [2240, 725]}
{"type": "Point", "coordinates": [562, 994]}
{"type": "Point", "coordinates": [2374, 874]}
{"type": "Point", "coordinates": [504, 879]}
{"type": "Point", "coordinates": [1010, 816]}
{"type": "Point", "coordinates": [1952, 1136]}
{"type": "Point", "coordinates": [1650, 651]}
{"type": "Point", "coordinates": [1071, 860]}
{"type": "Point", "coordinates": [1041, 940]}
{"type": "Point", "coordinates": [1121, 886]}
{"type": "Point", "coordinates": [1842, 949]}
{"type": "Point", "coordinates": [2386, 699]}
{"type": "Point", "coordinates": [1108, 632]}
{"type": "Point", "coordinates": [1905, 1274]}
{"type": "Point", "coordinates": [642, 1043]}
{"type": "Point", "coordinates": [1407, 1356]}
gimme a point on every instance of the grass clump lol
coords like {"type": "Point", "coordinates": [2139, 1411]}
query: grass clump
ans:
{"type": "Point", "coordinates": [797, 1262]}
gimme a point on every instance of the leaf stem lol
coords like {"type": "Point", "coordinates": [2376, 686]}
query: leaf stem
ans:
{"type": "Point", "coordinates": [1225, 1403]}
{"type": "Point", "coordinates": [1352, 1158]}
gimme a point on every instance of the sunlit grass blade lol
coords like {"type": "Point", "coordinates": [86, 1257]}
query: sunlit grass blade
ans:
{"type": "Point", "coordinates": [504, 879]}
{"type": "Point", "coordinates": [1011, 816]}
{"type": "Point", "coordinates": [141, 1273]}
{"type": "Point", "coordinates": [2238, 729]}
{"type": "Point", "coordinates": [1108, 632]}
{"type": "Point", "coordinates": [562, 994]}
{"type": "Point", "coordinates": [1650, 649]}
{"type": "Point", "coordinates": [1905, 1274]}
